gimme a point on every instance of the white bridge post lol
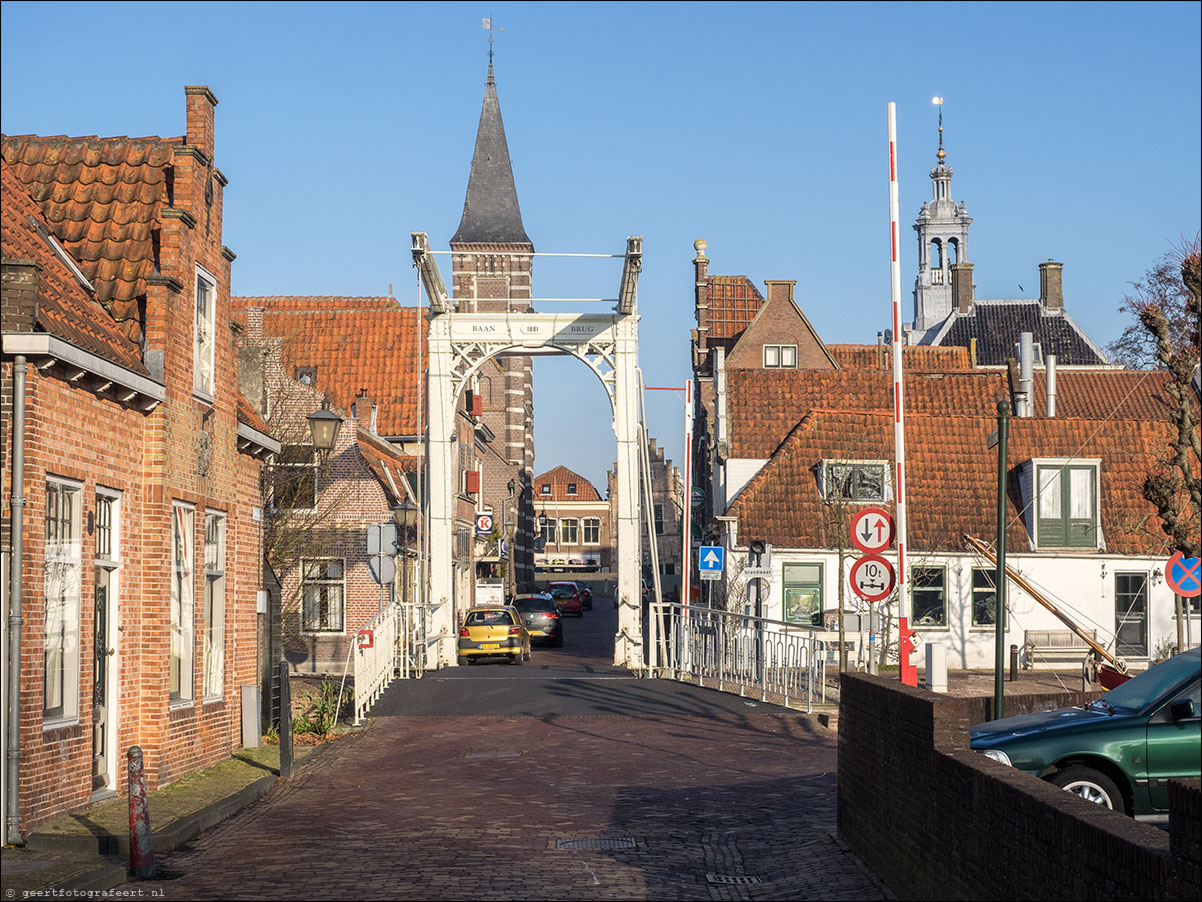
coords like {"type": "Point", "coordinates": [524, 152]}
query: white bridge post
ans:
{"type": "Point", "coordinates": [628, 644]}
{"type": "Point", "coordinates": [441, 488]}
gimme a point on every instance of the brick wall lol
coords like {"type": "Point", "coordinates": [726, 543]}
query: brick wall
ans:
{"type": "Point", "coordinates": [936, 820]}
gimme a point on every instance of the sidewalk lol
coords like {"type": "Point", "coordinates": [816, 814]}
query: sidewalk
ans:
{"type": "Point", "coordinates": [89, 851]}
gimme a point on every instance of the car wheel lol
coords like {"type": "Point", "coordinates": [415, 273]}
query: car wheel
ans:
{"type": "Point", "coordinates": [517, 659]}
{"type": "Point", "coordinates": [1090, 785]}
{"type": "Point", "coordinates": [463, 659]}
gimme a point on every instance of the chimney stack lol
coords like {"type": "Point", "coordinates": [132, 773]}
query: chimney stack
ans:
{"type": "Point", "coordinates": [201, 103]}
{"type": "Point", "coordinates": [779, 289]}
{"type": "Point", "coordinates": [1026, 375]}
{"type": "Point", "coordinates": [1050, 388]}
{"type": "Point", "coordinates": [962, 288]}
{"type": "Point", "coordinates": [22, 281]}
{"type": "Point", "coordinates": [364, 411]}
{"type": "Point", "coordinates": [1051, 286]}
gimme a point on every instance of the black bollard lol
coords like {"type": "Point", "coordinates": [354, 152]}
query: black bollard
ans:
{"type": "Point", "coordinates": [285, 722]}
{"type": "Point", "coordinates": [1013, 663]}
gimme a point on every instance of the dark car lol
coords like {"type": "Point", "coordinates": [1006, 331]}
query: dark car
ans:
{"type": "Point", "coordinates": [542, 618]}
{"type": "Point", "coordinates": [1119, 750]}
{"type": "Point", "coordinates": [586, 596]}
{"type": "Point", "coordinates": [567, 597]}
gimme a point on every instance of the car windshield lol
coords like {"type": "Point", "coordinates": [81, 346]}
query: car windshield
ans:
{"type": "Point", "coordinates": [533, 603]}
{"type": "Point", "coordinates": [562, 591]}
{"type": "Point", "coordinates": [489, 618]}
{"type": "Point", "coordinates": [1151, 685]}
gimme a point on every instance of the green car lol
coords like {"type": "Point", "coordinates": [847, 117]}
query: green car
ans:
{"type": "Point", "coordinates": [1120, 750]}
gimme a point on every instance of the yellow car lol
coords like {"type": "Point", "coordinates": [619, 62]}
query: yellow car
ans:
{"type": "Point", "coordinates": [493, 631]}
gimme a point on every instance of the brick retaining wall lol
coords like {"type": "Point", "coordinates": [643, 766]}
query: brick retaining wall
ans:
{"type": "Point", "coordinates": [937, 821]}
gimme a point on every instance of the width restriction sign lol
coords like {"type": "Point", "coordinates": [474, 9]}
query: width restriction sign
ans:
{"type": "Point", "coordinates": [872, 530]}
{"type": "Point", "coordinates": [872, 577]}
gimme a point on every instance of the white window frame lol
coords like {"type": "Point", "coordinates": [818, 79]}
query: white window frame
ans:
{"type": "Point", "coordinates": [62, 588]}
{"type": "Point", "coordinates": [204, 346]}
{"type": "Point", "coordinates": [183, 604]}
{"type": "Point", "coordinates": [569, 531]}
{"type": "Point", "coordinates": [780, 357]}
{"type": "Point", "coordinates": [306, 582]}
{"type": "Point", "coordinates": [591, 525]}
{"type": "Point", "coordinates": [213, 666]}
{"type": "Point", "coordinates": [1042, 497]}
{"type": "Point", "coordinates": [549, 532]}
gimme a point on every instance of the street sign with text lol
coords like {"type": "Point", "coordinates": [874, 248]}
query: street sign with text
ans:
{"type": "Point", "coordinates": [872, 577]}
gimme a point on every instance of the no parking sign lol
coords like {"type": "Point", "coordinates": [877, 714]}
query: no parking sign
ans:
{"type": "Point", "coordinates": [1184, 575]}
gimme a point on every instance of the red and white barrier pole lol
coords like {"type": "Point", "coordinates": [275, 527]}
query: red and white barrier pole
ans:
{"type": "Point", "coordinates": [909, 673]}
{"type": "Point", "coordinates": [141, 842]}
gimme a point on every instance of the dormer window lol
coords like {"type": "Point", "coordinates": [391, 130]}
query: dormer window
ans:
{"type": "Point", "coordinates": [853, 480]}
{"type": "Point", "coordinates": [571, 488]}
{"type": "Point", "coordinates": [306, 375]}
{"type": "Point", "coordinates": [1066, 508]}
{"type": "Point", "coordinates": [780, 357]}
{"type": "Point", "coordinates": [545, 489]}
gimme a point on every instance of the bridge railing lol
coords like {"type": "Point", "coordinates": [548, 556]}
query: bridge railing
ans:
{"type": "Point", "coordinates": [775, 661]}
{"type": "Point", "coordinates": [376, 663]}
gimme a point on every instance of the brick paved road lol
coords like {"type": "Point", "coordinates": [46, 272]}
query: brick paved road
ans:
{"type": "Point", "coordinates": [605, 787]}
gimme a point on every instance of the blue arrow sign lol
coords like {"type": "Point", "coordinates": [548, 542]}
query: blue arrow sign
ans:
{"type": "Point", "coordinates": [711, 558]}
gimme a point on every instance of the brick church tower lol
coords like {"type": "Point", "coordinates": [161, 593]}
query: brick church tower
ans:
{"type": "Point", "coordinates": [491, 272]}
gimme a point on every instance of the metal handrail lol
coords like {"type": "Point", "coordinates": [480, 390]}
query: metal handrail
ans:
{"type": "Point", "coordinates": [739, 653]}
{"type": "Point", "coordinates": [376, 665]}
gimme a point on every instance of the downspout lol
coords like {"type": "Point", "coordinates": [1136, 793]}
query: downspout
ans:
{"type": "Point", "coordinates": [12, 827]}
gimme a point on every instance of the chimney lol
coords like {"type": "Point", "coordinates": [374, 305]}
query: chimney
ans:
{"type": "Point", "coordinates": [20, 287]}
{"type": "Point", "coordinates": [201, 103]}
{"type": "Point", "coordinates": [1050, 387]}
{"type": "Point", "coordinates": [1026, 375]}
{"type": "Point", "coordinates": [1051, 286]}
{"type": "Point", "coordinates": [701, 297]}
{"type": "Point", "coordinates": [364, 411]}
{"type": "Point", "coordinates": [779, 289]}
{"type": "Point", "coordinates": [962, 288]}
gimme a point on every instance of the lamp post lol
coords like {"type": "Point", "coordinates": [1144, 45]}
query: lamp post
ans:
{"type": "Point", "coordinates": [323, 426]}
{"type": "Point", "coordinates": [405, 515]}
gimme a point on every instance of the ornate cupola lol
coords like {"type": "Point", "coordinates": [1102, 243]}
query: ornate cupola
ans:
{"type": "Point", "coordinates": [942, 227]}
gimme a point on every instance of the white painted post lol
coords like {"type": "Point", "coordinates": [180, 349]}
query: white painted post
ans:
{"type": "Point", "coordinates": [440, 523]}
{"type": "Point", "coordinates": [936, 677]}
{"type": "Point", "coordinates": [628, 644]}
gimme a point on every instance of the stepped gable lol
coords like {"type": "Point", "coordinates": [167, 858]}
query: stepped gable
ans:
{"type": "Point", "coordinates": [781, 504]}
{"type": "Point", "coordinates": [354, 344]}
{"type": "Point", "coordinates": [734, 302]}
{"type": "Point", "coordinates": [996, 326]}
{"type": "Point", "coordinates": [103, 199]}
{"type": "Point", "coordinates": [66, 308]}
{"type": "Point", "coordinates": [559, 478]}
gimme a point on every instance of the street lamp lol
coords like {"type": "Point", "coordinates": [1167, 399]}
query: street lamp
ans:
{"type": "Point", "coordinates": [323, 426]}
{"type": "Point", "coordinates": [404, 514]}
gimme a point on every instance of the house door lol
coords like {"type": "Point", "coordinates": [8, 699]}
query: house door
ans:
{"type": "Point", "coordinates": [103, 690]}
{"type": "Point", "coordinates": [1131, 614]}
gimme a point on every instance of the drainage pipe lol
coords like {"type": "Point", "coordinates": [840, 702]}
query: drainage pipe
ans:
{"type": "Point", "coordinates": [12, 825]}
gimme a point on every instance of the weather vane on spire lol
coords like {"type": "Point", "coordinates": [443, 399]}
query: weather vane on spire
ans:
{"type": "Point", "coordinates": [486, 24]}
{"type": "Point", "coordinates": [938, 101]}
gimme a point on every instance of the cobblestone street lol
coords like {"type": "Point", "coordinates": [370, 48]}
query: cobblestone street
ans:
{"type": "Point", "coordinates": [688, 795]}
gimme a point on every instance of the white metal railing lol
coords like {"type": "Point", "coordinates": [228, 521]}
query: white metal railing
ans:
{"type": "Point", "coordinates": [738, 653]}
{"type": "Point", "coordinates": [375, 664]}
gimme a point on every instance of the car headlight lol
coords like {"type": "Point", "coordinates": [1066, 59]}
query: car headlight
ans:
{"type": "Point", "coordinates": [997, 755]}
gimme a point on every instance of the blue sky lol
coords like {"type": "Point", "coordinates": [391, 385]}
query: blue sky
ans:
{"type": "Point", "coordinates": [1073, 130]}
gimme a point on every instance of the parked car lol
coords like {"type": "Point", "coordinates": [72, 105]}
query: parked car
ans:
{"type": "Point", "coordinates": [541, 617]}
{"type": "Point", "coordinates": [1119, 750]}
{"type": "Point", "coordinates": [567, 597]}
{"type": "Point", "coordinates": [586, 596]}
{"type": "Point", "coordinates": [493, 631]}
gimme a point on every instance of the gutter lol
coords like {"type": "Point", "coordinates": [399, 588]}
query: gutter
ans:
{"type": "Point", "coordinates": [12, 823]}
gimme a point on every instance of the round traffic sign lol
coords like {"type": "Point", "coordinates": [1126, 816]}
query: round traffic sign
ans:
{"type": "Point", "coordinates": [1184, 575]}
{"type": "Point", "coordinates": [758, 583]}
{"type": "Point", "coordinates": [872, 530]}
{"type": "Point", "coordinates": [872, 577]}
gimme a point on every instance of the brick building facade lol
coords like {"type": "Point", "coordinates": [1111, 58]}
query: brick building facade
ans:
{"type": "Point", "coordinates": [139, 554]}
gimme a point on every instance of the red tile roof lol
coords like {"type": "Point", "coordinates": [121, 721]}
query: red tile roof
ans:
{"type": "Point", "coordinates": [764, 405]}
{"type": "Point", "coordinates": [385, 463]}
{"type": "Point", "coordinates": [65, 308]}
{"type": "Point", "coordinates": [733, 303]}
{"type": "Point", "coordinates": [1127, 394]}
{"type": "Point", "coordinates": [951, 478]}
{"type": "Point", "coordinates": [355, 345]}
{"type": "Point", "coordinates": [559, 478]}
{"type": "Point", "coordinates": [248, 415]}
{"type": "Point", "coordinates": [103, 198]}
{"type": "Point", "coordinates": [915, 359]}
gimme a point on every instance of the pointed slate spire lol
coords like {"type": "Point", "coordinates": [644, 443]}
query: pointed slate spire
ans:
{"type": "Point", "coordinates": [490, 211]}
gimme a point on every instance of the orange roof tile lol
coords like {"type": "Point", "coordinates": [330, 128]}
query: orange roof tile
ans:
{"type": "Point", "coordinates": [1127, 394]}
{"type": "Point", "coordinates": [355, 345]}
{"type": "Point", "coordinates": [385, 463]}
{"type": "Point", "coordinates": [764, 405]}
{"type": "Point", "coordinates": [559, 478]}
{"type": "Point", "coordinates": [103, 198]}
{"type": "Point", "coordinates": [915, 359]}
{"type": "Point", "coordinates": [248, 415]}
{"type": "Point", "coordinates": [65, 308]}
{"type": "Point", "coordinates": [733, 303]}
{"type": "Point", "coordinates": [951, 478]}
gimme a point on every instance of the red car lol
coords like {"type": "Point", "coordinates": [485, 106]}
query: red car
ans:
{"type": "Point", "coordinates": [567, 598]}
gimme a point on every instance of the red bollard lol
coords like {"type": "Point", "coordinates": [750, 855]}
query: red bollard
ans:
{"type": "Point", "coordinates": [141, 842]}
